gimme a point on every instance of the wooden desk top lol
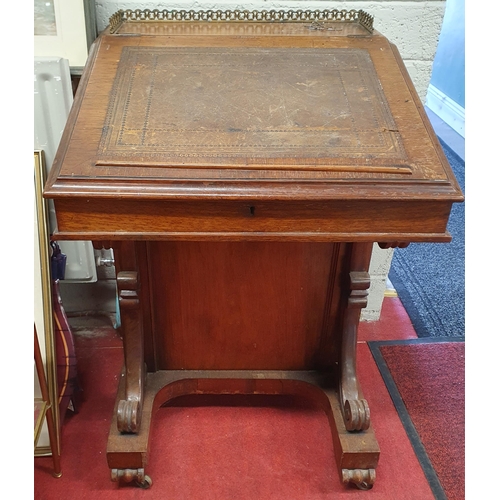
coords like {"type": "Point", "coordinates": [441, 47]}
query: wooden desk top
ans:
{"type": "Point", "coordinates": [298, 116]}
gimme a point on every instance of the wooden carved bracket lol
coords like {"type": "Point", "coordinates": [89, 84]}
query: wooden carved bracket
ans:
{"type": "Point", "coordinates": [355, 409]}
{"type": "Point", "coordinates": [393, 244]}
{"type": "Point", "coordinates": [130, 409]}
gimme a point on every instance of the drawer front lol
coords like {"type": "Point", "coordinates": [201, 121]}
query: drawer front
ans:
{"type": "Point", "coordinates": [356, 220]}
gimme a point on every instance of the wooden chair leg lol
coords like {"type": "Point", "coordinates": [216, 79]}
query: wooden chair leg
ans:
{"type": "Point", "coordinates": [49, 414]}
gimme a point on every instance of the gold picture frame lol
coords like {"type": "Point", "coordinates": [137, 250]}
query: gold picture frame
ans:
{"type": "Point", "coordinates": [43, 308]}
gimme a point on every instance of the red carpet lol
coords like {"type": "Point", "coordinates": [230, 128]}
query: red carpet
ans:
{"type": "Point", "coordinates": [220, 448]}
{"type": "Point", "coordinates": [426, 380]}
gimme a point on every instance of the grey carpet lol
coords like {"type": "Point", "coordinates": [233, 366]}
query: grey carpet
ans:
{"type": "Point", "coordinates": [430, 277]}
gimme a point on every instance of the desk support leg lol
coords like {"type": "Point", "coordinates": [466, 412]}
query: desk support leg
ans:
{"type": "Point", "coordinates": [129, 410]}
{"type": "Point", "coordinates": [355, 409]}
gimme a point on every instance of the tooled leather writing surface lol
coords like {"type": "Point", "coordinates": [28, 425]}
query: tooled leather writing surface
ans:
{"type": "Point", "coordinates": [231, 106]}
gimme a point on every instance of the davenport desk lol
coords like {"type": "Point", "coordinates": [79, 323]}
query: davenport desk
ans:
{"type": "Point", "coordinates": [242, 165]}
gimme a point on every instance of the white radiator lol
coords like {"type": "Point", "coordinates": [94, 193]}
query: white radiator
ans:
{"type": "Point", "coordinates": [52, 103]}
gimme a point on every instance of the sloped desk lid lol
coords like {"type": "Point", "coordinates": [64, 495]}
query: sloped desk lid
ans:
{"type": "Point", "coordinates": [228, 110]}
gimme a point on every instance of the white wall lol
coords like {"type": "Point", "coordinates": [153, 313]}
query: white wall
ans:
{"type": "Point", "coordinates": [412, 25]}
{"type": "Point", "coordinates": [446, 95]}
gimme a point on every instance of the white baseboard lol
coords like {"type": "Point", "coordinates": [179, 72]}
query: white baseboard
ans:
{"type": "Point", "coordinates": [447, 109]}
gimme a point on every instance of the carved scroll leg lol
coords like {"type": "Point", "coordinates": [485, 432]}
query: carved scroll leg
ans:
{"type": "Point", "coordinates": [130, 409]}
{"type": "Point", "coordinates": [355, 410]}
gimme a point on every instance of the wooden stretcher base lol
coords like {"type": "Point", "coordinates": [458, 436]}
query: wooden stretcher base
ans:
{"type": "Point", "coordinates": [356, 453]}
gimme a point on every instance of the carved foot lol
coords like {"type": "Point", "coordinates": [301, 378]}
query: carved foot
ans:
{"type": "Point", "coordinates": [362, 478]}
{"type": "Point", "coordinates": [132, 475]}
{"type": "Point", "coordinates": [129, 416]}
{"type": "Point", "coordinates": [356, 415]}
